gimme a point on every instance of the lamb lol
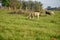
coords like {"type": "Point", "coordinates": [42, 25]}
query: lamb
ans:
{"type": "Point", "coordinates": [34, 14]}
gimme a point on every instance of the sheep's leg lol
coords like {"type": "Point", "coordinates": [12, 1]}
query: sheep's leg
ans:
{"type": "Point", "coordinates": [29, 16]}
{"type": "Point", "coordinates": [38, 16]}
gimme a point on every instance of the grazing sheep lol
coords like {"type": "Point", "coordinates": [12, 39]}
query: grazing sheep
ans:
{"type": "Point", "coordinates": [50, 12]}
{"type": "Point", "coordinates": [34, 14]}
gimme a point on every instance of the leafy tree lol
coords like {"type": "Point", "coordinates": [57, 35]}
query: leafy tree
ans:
{"type": "Point", "coordinates": [5, 2]}
{"type": "Point", "coordinates": [48, 7]}
{"type": "Point", "coordinates": [15, 4]}
{"type": "Point", "coordinates": [37, 6]}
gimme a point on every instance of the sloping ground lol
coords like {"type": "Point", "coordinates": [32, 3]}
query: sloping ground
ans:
{"type": "Point", "coordinates": [19, 27]}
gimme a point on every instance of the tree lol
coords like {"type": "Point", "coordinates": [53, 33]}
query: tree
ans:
{"type": "Point", "coordinates": [5, 2]}
{"type": "Point", "coordinates": [31, 5]}
{"type": "Point", "coordinates": [15, 4]}
{"type": "Point", "coordinates": [12, 3]}
{"type": "Point", "coordinates": [38, 6]}
{"type": "Point", "coordinates": [48, 7]}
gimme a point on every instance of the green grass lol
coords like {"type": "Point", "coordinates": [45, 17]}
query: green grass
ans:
{"type": "Point", "coordinates": [19, 27]}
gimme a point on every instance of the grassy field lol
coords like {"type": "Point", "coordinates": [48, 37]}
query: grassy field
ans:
{"type": "Point", "coordinates": [18, 27]}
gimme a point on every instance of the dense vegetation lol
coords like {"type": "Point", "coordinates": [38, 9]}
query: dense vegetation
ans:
{"type": "Point", "coordinates": [22, 4]}
{"type": "Point", "coordinates": [19, 27]}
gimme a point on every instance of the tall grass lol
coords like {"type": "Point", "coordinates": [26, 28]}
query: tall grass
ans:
{"type": "Point", "coordinates": [19, 27]}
